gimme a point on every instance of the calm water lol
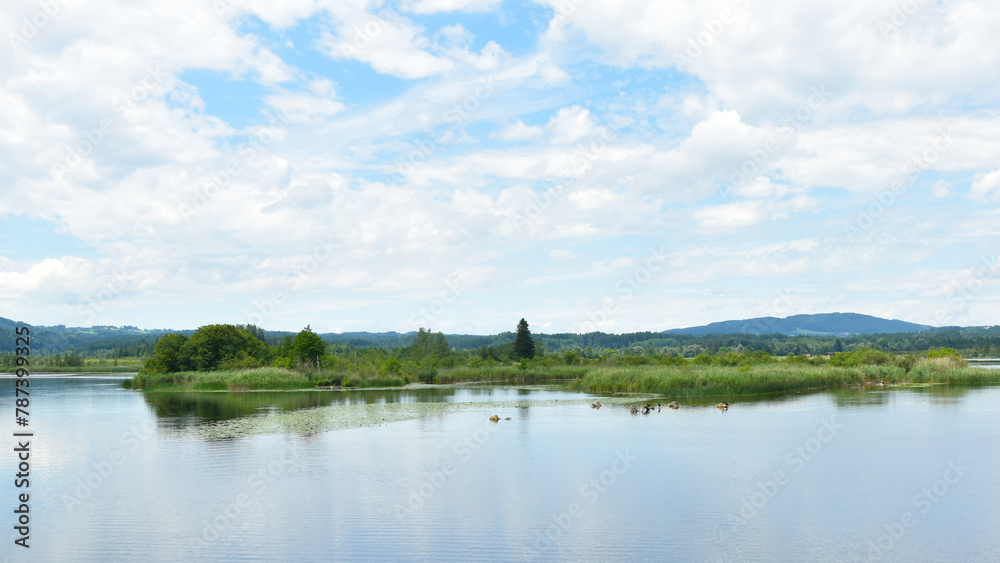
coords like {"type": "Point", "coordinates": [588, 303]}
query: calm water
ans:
{"type": "Point", "coordinates": [893, 475]}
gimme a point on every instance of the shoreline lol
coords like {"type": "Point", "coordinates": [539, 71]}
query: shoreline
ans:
{"type": "Point", "coordinates": [663, 380]}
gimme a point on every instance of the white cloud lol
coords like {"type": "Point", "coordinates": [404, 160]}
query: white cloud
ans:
{"type": "Point", "coordinates": [941, 188]}
{"type": "Point", "coordinates": [518, 131]}
{"type": "Point", "coordinates": [306, 107]}
{"type": "Point", "coordinates": [986, 185]}
{"type": "Point", "coordinates": [571, 124]}
{"type": "Point", "coordinates": [436, 6]}
{"type": "Point", "coordinates": [892, 73]}
{"type": "Point", "coordinates": [212, 207]}
{"type": "Point", "coordinates": [748, 213]}
{"type": "Point", "coordinates": [737, 214]}
{"type": "Point", "coordinates": [388, 42]}
{"type": "Point", "coordinates": [595, 199]}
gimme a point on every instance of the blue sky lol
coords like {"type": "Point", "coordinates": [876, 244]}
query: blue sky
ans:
{"type": "Point", "coordinates": [460, 164]}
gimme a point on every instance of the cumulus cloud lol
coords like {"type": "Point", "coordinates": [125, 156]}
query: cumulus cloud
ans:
{"type": "Point", "coordinates": [986, 185]}
{"type": "Point", "coordinates": [474, 155]}
{"type": "Point", "coordinates": [518, 131]}
{"type": "Point", "coordinates": [435, 6]}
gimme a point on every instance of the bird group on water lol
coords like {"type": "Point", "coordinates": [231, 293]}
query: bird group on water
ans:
{"type": "Point", "coordinates": [648, 408]}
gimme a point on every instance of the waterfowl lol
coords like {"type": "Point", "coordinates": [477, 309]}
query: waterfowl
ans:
{"type": "Point", "coordinates": [508, 418]}
{"type": "Point", "coordinates": [595, 405]}
{"type": "Point", "coordinates": [646, 409]}
{"type": "Point", "coordinates": [634, 409]}
{"type": "Point", "coordinates": [723, 405]}
{"type": "Point", "coordinates": [495, 418]}
{"type": "Point", "coordinates": [674, 405]}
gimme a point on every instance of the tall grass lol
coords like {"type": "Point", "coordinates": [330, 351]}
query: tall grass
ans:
{"type": "Point", "coordinates": [696, 380]}
{"type": "Point", "coordinates": [259, 378]}
{"type": "Point", "coordinates": [668, 380]}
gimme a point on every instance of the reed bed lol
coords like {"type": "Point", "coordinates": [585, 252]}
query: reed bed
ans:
{"type": "Point", "coordinates": [247, 379]}
{"type": "Point", "coordinates": [696, 380]}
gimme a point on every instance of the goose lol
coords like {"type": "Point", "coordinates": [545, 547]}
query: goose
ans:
{"type": "Point", "coordinates": [674, 405]}
{"type": "Point", "coordinates": [723, 405]}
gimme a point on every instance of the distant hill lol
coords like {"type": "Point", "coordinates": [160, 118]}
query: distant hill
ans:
{"type": "Point", "coordinates": [819, 324]}
{"type": "Point", "coordinates": [112, 342]}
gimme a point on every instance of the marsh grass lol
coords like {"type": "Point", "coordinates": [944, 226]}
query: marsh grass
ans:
{"type": "Point", "coordinates": [698, 380]}
{"type": "Point", "coordinates": [689, 380]}
{"type": "Point", "coordinates": [234, 380]}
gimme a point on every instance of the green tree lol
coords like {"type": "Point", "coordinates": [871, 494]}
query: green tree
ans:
{"type": "Point", "coordinates": [166, 356]}
{"type": "Point", "coordinates": [307, 346]}
{"type": "Point", "coordinates": [439, 345]}
{"type": "Point", "coordinates": [524, 346]}
{"type": "Point", "coordinates": [421, 346]}
{"type": "Point", "coordinates": [426, 343]}
{"type": "Point", "coordinates": [212, 345]}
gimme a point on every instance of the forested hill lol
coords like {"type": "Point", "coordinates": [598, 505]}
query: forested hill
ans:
{"type": "Point", "coordinates": [105, 341]}
{"type": "Point", "coordinates": [820, 324]}
{"type": "Point", "coordinates": [802, 334]}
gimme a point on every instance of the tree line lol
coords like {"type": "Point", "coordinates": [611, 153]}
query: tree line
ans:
{"type": "Point", "coordinates": [126, 342]}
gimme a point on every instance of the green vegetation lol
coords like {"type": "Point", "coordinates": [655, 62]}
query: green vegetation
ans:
{"type": "Point", "coordinates": [222, 380]}
{"type": "Point", "coordinates": [247, 357]}
{"type": "Point", "coordinates": [236, 359]}
{"type": "Point", "coordinates": [129, 345]}
{"type": "Point", "coordinates": [73, 363]}
{"type": "Point", "coordinates": [733, 375]}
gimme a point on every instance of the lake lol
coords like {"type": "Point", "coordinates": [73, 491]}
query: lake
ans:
{"type": "Point", "coordinates": [424, 475]}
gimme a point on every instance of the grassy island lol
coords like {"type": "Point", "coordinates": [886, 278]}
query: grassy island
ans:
{"type": "Point", "coordinates": [226, 358]}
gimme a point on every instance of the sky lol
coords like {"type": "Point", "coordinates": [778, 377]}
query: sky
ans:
{"type": "Point", "coordinates": [612, 165]}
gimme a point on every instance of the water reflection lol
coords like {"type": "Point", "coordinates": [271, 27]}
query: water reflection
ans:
{"type": "Point", "coordinates": [189, 408]}
{"type": "Point", "coordinates": [769, 480]}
